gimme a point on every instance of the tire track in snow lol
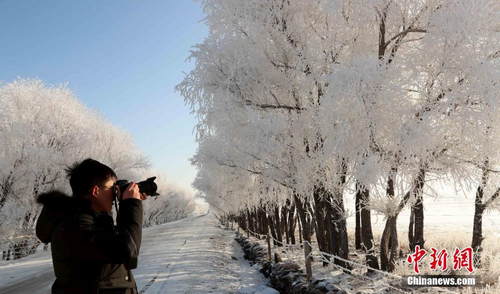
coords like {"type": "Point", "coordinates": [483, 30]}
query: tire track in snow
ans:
{"type": "Point", "coordinates": [153, 280]}
{"type": "Point", "coordinates": [36, 284]}
{"type": "Point", "coordinates": [192, 255]}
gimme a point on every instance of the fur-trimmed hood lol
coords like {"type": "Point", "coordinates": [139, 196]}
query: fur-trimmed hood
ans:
{"type": "Point", "coordinates": [55, 199]}
{"type": "Point", "coordinates": [56, 206]}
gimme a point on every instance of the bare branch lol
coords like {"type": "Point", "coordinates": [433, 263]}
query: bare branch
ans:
{"type": "Point", "coordinates": [271, 106]}
{"type": "Point", "coordinates": [492, 198]}
{"type": "Point", "coordinates": [404, 33]}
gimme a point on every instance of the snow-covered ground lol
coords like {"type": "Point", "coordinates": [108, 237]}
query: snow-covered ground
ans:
{"type": "Point", "coordinates": [193, 255]}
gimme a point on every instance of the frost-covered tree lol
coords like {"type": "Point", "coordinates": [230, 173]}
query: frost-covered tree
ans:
{"type": "Point", "coordinates": [307, 100]}
{"type": "Point", "coordinates": [173, 203]}
{"type": "Point", "coordinates": [44, 129]}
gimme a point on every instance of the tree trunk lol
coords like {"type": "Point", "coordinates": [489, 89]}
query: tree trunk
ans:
{"type": "Point", "coordinates": [339, 230]}
{"type": "Point", "coordinates": [411, 228]}
{"type": "Point", "coordinates": [250, 221]}
{"type": "Point", "coordinates": [389, 244]}
{"type": "Point", "coordinates": [277, 222]}
{"type": "Point", "coordinates": [256, 219]}
{"type": "Point", "coordinates": [272, 228]}
{"type": "Point", "coordinates": [292, 220]}
{"type": "Point", "coordinates": [416, 229]}
{"type": "Point", "coordinates": [242, 221]}
{"type": "Point", "coordinates": [366, 227]}
{"type": "Point", "coordinates": [357, 231]}
{"type": "Point", "coordinates": [263, 221]}
{"type": "Point", "coordinates": [479, 207]}
{"type": "Point", "coordinates": [306, 233]}
{"type": "Point", "coordinates": [389, 240]}
{"type": "Point", "coordinates": [477, 233]}
{"type": "Point", "coordinates": [284, 222]}
{"type": "Point", "coordinates": [321, 222]}
{"type": "Point", "coordinates": [339, 235]}
{"type": "Point", "coordinates": [300, 228]}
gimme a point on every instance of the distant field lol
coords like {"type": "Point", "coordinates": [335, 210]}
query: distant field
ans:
{"type": "Point", "coordinates": [445, 210]}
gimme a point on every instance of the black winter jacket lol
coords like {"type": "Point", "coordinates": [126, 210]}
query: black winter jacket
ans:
{"type": "Point", "coordinates": [89, 253]}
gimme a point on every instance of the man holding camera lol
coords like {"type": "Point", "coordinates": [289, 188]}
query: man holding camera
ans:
{"type": "Point", "coordinates": [89, 253]}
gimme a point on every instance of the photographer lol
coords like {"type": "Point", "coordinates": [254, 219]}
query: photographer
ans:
{"type": "Point", "coordinates": [89, 253]}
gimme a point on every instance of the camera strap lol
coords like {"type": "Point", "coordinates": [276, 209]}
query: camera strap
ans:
{"type": "Point", "coordinates": [116, 193]}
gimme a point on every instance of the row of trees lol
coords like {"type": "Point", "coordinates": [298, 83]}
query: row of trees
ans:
{"type": "Point", "coordinates": [44, 129]}
{"type": "Point", "coordinates": [303, 103]}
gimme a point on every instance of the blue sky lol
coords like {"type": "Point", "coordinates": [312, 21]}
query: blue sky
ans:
{"type": "Point", "coordinates": [122, 58]}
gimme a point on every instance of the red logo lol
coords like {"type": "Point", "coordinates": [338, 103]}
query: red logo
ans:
{"type": "Point", "coordinates": [416, 257]}
{"type": "Point", "coordinates": [461, 259]}
{"type": "Point", "coordinates": [439, 259]}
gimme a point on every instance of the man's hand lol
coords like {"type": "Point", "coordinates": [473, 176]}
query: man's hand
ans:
{"type": "Point", "coordinates": [132, 191]}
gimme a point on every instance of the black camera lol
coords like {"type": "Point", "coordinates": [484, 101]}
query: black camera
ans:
{"type": "Point", "coordinates": [147, 187]}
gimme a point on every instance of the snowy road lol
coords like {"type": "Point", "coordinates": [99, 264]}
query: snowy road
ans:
{"type": "Point", "coordinates": [193, 255]}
